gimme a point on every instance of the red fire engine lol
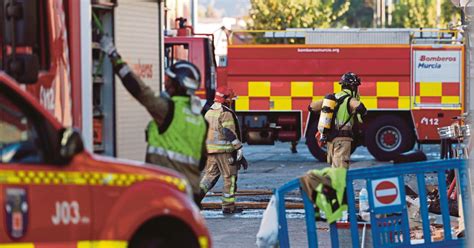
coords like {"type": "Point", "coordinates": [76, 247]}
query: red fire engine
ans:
{"type": "Point", "coordinates": [52, 191]}
{"type": "Point", "coordinates": [412, 83]}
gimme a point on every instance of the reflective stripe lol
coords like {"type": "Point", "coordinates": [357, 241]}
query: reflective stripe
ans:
{"type": "Point", "coordinates": [203, 242]}
{"type": "Point", "coordinates": [172, 155]}
{"type": "Point", "coordinates": [218, 142]}
{"type": "Point", "coordinates": [80, 244]}
{"type": "Point", "coordinates": [220, 147]}
{"type": "Point", "coordinates": [236, 142]}
{"type": "Point", "coordinates": [232, 185]}
{"type": "Point", "coordinates": [228, 199]}
{"type": "Point", "coordinates": [213, 113]}
{"type": "Point", "coordinates": [18, 245]}
{"type": "Point", "coordinates": [102, 244]}
{"type": "Point", "coordinates": [124, 71]}
{"type": "Point", "coordinates": [228, 123]}
{"type": "Point", "coordinates": [80, 178]}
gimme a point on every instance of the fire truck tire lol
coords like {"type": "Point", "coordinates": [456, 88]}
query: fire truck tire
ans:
{"type": "Point", "coordinates": [388, 136]}
{"type": "Point", "coordinates": [164, 232]}
{"type": "Point", "coordinates": [320, 153]}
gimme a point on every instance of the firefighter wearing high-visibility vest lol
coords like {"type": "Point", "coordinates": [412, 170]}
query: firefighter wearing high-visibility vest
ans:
{"type": "Point", "coordinates": [176, 136]}
{"type": "Point", "coordinates": [224, 147]}
{"type": "Point", "coordinates": [348, 108]}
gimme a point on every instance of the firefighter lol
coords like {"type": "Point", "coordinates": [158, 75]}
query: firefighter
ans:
{"type": "Point", "coordinates": [349, 107]}
{"type": "Point", "coordinates": [176, 136]}
{"type": "Point", "coordinates": [224, 147]}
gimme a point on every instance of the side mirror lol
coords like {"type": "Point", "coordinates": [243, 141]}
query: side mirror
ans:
{"type": "Point", "coordinates": [70, 144]}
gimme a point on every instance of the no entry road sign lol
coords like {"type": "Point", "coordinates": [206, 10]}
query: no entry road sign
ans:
{"type": "Point", "coordinates": [386, 192]}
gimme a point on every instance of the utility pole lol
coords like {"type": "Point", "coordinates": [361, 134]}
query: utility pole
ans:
{"type": "Point", "coordinates": [194, 10]}
{"type": "Point", "coordinates": [438, 13]}
{"type": "Point", "coordinates": [389, 12]}
{"type": "Point", "coordinates": [382, 13]}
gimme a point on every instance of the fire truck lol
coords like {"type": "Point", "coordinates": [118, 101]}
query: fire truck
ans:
{"type": "Point", "coordinates": [412, 83]}
{"type": "Point", "coordinates": [184, 44]}
{"type": "Point", "coordinates": [53, 191]}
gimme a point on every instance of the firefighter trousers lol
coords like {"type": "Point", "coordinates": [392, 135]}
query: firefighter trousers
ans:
{"type": "Point", "coordinates": [217, 165]}
{"type": "Point", "coordinates": [339, 153]}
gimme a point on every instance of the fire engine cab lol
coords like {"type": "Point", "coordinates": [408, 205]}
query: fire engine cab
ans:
{"type": "Point", "coordinates": [53, 192]}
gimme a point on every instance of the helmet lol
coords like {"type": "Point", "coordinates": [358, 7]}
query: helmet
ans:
{"type": "Point", "coordinates": [350, 80]}
{"type": "Point", "coordinates": [223, 93]}
{"type": "Point", "coordinates": [186, 75]}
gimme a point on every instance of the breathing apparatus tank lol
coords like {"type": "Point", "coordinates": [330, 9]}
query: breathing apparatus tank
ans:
{"type": "Point", "coordinates": [327, 113]}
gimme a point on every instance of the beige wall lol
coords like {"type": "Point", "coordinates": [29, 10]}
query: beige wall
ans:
{"type": "Point", "coordinates": [136, 37]}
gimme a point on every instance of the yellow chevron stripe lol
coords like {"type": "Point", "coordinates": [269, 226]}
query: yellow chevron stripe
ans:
{"type": "Point", "coordinates": [84, 178]}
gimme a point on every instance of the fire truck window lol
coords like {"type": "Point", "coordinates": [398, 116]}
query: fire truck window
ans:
{"type": "Point", "coordinates": [19, 141]}
{"type": "Point", "coordinates": [176, 52]}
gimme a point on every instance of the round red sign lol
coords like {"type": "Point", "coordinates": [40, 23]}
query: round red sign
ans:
{"type": "Point", "coordinates": [386, 192]}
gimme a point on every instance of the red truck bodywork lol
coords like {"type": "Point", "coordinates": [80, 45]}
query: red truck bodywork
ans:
{"type": "Point", "coordinates": [275, 84]}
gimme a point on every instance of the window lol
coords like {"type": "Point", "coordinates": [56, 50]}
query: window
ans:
{"type": "Point", "coordinates": [176, 52]}
{"type": "Point", "coordinates": [19, 141]}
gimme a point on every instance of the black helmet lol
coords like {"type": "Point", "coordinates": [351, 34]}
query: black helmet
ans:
{"type": "Point", "coordinates": [350, 80]}
{"type": "Point", "coordinates": [186, 75]}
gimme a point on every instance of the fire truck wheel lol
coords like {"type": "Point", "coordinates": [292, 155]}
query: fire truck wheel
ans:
{"type": "Point", "coordinates": [319, 153]}
{"type": "Point", "coordinates": [164, 232]}
{"type": "Point", "coordinates": [388, 136]}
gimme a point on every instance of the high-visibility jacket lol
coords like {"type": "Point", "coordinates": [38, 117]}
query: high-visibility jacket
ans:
{"type": "Point", "coordinates": [344, 114]}
{"type": "Point", "coordinates": [182, 142]}
{"type": "Point", "coordinates": [224, 133]}
{"type": "Point", "coordinates": [329, 192]}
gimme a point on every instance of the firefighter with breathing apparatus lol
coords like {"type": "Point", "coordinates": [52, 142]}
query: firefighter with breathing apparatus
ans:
{"type": "Point", "coordinates": [326, 187]}
{"type": "Point", "coordinates": [338, 114]}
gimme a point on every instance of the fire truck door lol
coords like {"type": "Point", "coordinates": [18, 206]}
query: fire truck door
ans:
{"type": "Point", "coordinates": [41, 203]}
{"type": "Point", "coordinates": [437, 86]}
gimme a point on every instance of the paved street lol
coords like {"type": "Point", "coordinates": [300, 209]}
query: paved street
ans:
{"type": "Point", "coordinates": [271, 167]}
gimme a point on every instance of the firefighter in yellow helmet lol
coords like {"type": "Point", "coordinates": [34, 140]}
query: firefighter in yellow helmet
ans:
{"type": "Point", "coordinates": [348, 107]}
{"type": "Point", "coordinates": [224, 147]}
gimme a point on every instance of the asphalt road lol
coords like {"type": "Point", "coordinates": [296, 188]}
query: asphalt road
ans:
{"type": "Point", "coordinates": [269, 168]}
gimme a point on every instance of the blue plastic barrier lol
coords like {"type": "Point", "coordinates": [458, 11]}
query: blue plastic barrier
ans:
{"type": "Point", "coordinates": [388, 209]}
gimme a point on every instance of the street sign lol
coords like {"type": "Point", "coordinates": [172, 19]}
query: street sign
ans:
{"type": "Point", "coordinates": [386, 192]}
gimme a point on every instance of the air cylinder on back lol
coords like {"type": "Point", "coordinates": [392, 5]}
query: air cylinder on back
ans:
{"type": "Point", "coordinates": [327, 112]}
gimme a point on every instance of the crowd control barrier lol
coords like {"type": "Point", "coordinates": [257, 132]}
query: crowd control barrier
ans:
{"type": "Point", "coordinates": [389, 219]}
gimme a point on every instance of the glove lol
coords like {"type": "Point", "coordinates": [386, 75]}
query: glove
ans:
{"type": "Point", "coordinates": [240, 154]}
{"type": "Point", "coordinates": [107, 45]}
{"type": "Point", "coordinates": [321, 139]}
